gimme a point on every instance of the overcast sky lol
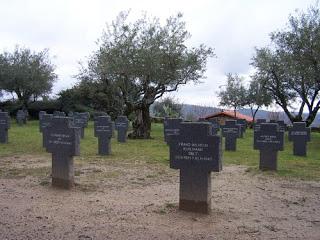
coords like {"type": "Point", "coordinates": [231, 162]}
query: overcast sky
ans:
{"type": "Point", "coordinates": [70, 30]}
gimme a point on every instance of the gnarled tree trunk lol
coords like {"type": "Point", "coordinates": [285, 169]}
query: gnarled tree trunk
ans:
{"type": "Point", "coordinates": [142, 123]}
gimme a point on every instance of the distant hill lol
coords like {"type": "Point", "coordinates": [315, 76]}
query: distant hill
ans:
{"type": "Point", "coordinates": [193, 112]}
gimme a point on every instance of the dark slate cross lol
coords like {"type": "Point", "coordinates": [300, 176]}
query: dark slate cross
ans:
{"type": "Point", "coordinates": [26, 114]}
{"type": "Point", "coordinates": [103, 131]}
{"type": "Point", "coordinates": [21, 117]}
{"type": "Point", "coordinates": [269, 140]}
{"type": "Point", "coordinates": [121, 125]}
{"type": "Point", "coordinates": [98, 114]}
{"type": "Point", "coordinates": [41, 113]}
{"type": "Point", "coordinates": [231, 131]}
{"type": "Point", "coordinates": [257, 124]}
{"type": "Point", "coordinates": [171, 127]}
{"type": "Point", "coordinates": [196, 153]}
{"type": "Point", "coordinates": [282, 126]}
{"type": "Point", "coordinates": [243, 126]}
{"type": "Point", "coordinates": [299, 134]}
{"type": "Point", "coordinates": [4, 126]}
{"type": "Point", "coordinates": [59, 114]}
{"type": "Point", "coordinates": [80, 121]}
{"type": "Point", "coordinates": [44, 124]}
{"type": "Point", "coordinates": [215, 125]}
{"type": "Point", "coordinates": [64, 143]}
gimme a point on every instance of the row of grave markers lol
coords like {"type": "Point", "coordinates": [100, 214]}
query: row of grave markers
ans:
{"type": "Point", "coordinates": [232, 130]}
{"type": "Point", "coordinates": [195, 149]}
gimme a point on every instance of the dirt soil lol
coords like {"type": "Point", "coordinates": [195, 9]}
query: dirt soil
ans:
{"type": "Point", "coordinates": [134, 200]}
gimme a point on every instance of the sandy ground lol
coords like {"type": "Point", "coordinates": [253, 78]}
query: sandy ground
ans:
{"type": "Point", "coordinates": [140, 201]}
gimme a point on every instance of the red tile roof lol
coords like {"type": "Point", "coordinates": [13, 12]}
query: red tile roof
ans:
{"type": "Point", "coordinates": [231, 115]}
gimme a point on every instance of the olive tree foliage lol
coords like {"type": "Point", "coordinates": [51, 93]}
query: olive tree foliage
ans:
{"type": "Point", "coordinates": [142, 60]}
{"type": "Point", "coordinates": [257, 96]}
{"type": "Point", "coordinates": [233, 94]}
{"type": "Point", "coordinates": [290, 68]}
{"type": "Point", "coordinates": [93, 96]}
{"type": "Point", "coordinates": [167, 107]}
{"type": "Point", "coordinates": [26, 74]}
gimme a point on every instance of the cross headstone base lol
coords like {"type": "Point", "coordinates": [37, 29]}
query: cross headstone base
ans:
{"type": "Point", "coordinates": [122, 138]}
{"type": "Point", "coordinates": [104, 147]}
{"type": "Point", "coordinates": [4, 138]}
{"type": "Point", "coordinates": [299, 149]}
{"type": "Point", "coordinates": [268, 160]}
{"type": "Point", "coordinates": [195, 190]}
{"type": "Point", "coordinates": [62, 171]}
{"type": "Point", "coordinates": [230, 144]}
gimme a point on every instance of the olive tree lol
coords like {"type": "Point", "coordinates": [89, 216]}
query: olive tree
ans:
{"type": "Point", "coordinates": [27, 74]}
{"type": "Point", "coordinates": [290, 67]}
{"type": "Point", "coordinates": [257, 96]}
{"type": "Point", "coordinates": [233, 94]}
{"type": "Point", "coordinates": [143, 60]}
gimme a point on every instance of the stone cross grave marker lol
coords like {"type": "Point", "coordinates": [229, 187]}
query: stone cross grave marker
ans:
{"type": "Point", "coordinates": [299, 134]}
{"type": "Point", "coordinates": [41, 113]}
{"type": "Point", "coordinates": [98, 114]}
{"type": "Point", "coordinates": [59, 114]}
{"type": "Point", "coordinates": [171, 127]}
{"type": "Point", "coordinates": [4, 126]}
{"type": "Point", "coordinates": [196, 152]}
{"type": "Point", "coordinates": [282, 125]}
{"type": "Point", "coordinates": [243, 126]}
{"type": "Point", "coordinates": [231, 131]}
{"type": "Point", "coordinates": [257, 124]}
{"type": "Point", "coordinates": [44, 124]}
{"type": "Point", "coordinates": [80, 121]}
{"type": "Point", "coordinates": [103, 131]}
{"type": "Point", "coordinates": [215, 126]}
{"type": "Point", "coordinates": [64, 143]}
{"type": "Point", "coordinates": [21, 117]}
{"type": "Point", "coordinates": [122, 125]}
{"type": "Point", "coordinates": [269, 140]}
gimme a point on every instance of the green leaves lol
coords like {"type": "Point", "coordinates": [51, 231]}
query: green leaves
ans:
{"type": "Point", "coordinates": [290, 68]}
{"type": "Point", "coordinates": [143, 60]}
{"type": "Point", "coordinates": [27, 74]}
{"type": "Point", "coordinates": [233, 94]}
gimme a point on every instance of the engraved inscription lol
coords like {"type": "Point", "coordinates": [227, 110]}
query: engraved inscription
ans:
{"type": "Point", "coordinates": [121, 124]}
{"type": "Point", "coordinates": [193, 151]}
{"type": "Point", "coordinates": [103, 128]}
{"type": "Point", "coordinates": [60, 139]}
{"type": "Point", "coordinates": [268, 139]}
{"type": "Point", "coordinates": [230, 130]}
{"type": "Point", "coordinates": [172, 131]}
{"type": "Point", "coordinates": [299, 133]}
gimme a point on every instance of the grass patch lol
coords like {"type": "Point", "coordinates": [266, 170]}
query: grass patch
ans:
{"type": "Point", "coordinates": [28, 140]}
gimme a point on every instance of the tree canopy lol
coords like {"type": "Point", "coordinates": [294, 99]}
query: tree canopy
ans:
{"type": "Point", "coordinates": [233, 94]}
{"type": "Point", "coordinates": [168, 107]}
{"type": "Point", "coordinates": [257, 96]}
{"type": "Point", "coordinates": [27, 74]}
{"type": "Point", "coordinates": [290, 68]}
{"type": "Point", "coordinates": [142, 60]}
